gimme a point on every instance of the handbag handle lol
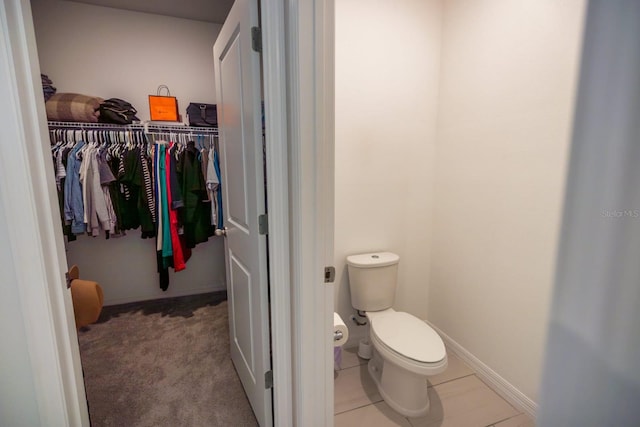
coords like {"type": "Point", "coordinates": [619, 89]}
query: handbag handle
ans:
{"type": "Point", "coordinates": [203, 114]}
{"type": "Point", "coordinates": [163, 87]}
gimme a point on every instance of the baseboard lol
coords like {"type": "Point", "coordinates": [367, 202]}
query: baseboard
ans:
{"type": "Point", "coordinates": [501, 386]}
{"type": "Point", "coordinates": [176, 293]}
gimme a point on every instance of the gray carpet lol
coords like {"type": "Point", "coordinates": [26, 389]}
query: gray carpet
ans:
{"type": "Point", "coordinates": [163, 363]}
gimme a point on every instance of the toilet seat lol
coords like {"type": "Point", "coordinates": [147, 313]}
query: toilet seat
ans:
{"type": "Point", "coordinates": [407, 337]}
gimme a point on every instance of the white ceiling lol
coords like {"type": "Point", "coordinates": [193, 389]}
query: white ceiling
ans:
{"type": "Point", "coordinates": [199, 10]}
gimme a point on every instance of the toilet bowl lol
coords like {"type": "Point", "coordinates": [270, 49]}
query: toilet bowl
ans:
{"type": "Point", "coordinates": [405, 349]}
{"type": "Point", "coordinates": [406, 352]}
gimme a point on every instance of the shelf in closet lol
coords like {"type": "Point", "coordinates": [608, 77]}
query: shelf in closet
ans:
{"type": "Point", "coordinates": [147, 127]}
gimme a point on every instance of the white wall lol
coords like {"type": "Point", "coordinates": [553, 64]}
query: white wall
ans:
{"type": "Point", "coordinates": [108, 52]}
{"type": "Point", "coordinates": [18, 404]}
{"type": "Point", "coordinates": [113, 53]}
{"type": "Point", "coordinates": [387, 70]}
{"type": "Point", "coordinates": [508, 80]}
{"type": "Point", "coordinates": [127, 271]}
{"type": "Point", "coordinates": [491, 85]}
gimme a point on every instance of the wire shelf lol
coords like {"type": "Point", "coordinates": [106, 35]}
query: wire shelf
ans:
{"type": "Point", "coordinates": [147, 127]}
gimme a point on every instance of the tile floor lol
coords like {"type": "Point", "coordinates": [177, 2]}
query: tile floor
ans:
{"type": "Point", "coordinates": [458, 399]}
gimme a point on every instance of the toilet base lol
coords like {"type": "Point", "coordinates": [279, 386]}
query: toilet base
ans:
{"type": "Point", "coordinates": [404, 391]}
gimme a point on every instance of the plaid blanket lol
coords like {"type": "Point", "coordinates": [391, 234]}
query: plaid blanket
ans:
{"type": "Point", "coordinates": [72, 107]}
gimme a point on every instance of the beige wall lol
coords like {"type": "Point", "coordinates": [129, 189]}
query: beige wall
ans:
{"type": "Point", "coordinates": [387, 68]}
{"type": "Point", "coordinates": [118, 53]}
{"type": "Point", "coordinates": [508, 78]}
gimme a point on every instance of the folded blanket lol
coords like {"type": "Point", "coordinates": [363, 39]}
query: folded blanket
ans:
{"type": "Point", "coordinates": [72, 107]}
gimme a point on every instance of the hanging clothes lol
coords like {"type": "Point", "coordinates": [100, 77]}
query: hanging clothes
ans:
{"type": "Point", "coordinates": [109, 182]}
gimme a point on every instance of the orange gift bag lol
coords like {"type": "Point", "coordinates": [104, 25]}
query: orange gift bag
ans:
{"type": "Point", "coordinates": [163, 107]}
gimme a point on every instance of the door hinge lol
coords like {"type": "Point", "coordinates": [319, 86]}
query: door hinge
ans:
{"type": "Point", "coordinates": [329, 274]}
{"type": "Point", "coordinates": [268, 379]}
{"type": "Point", "coordinates": [256, 39]}
{"type": "Point", "coordinates": [69, 279]}
{"type": "Point", "coordinates": [263, 224]}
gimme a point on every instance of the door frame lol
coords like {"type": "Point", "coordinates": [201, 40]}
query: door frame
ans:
{"type": "Point", "coordinates": [310, 72]}
{"type": "Point", "coordinates": [35, 237]}
{"type": "Point", "coordinates": [275, 88]}
{"type": "Point", "coordinates": [300, 193]}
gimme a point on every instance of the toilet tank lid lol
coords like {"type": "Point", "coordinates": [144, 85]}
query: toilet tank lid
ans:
{"type": "Point", "coordinates": [376, 259]}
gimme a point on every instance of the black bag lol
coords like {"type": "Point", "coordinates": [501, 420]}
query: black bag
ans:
{"type": "Point", "coordinates": [202, 115]}
{"type": "Point", "coordinates": [117, 111]}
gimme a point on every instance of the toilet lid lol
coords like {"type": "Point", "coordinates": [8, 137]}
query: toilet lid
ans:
{"type": "Point", "coordinates": [409, 336]}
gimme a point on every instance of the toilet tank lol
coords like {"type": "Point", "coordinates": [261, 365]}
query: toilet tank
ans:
{"type": "Point", "coordinates": [372, 280]}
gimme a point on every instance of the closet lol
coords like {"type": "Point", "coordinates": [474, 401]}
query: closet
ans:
{"type": "Point", "coordinates": [114, 53]}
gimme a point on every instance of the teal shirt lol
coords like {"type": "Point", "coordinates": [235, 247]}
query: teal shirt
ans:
{"type": "Point", "coordinates": [167, 250]}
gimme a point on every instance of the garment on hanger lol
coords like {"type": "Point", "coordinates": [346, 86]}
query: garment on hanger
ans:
{"type": "Point", "coordinates": [106, 179]}
{"type": "Point", "coordinates": [73, 204]}
{"type": "Point", "coordinates": [96, 214]}
{"type": "Point", "coordinates": [158, 178]}
{"type": "Point", "coordinates": [197, 207]}
{"type": "Point", "coordinates": [174, 200]}
{"type": "Point", "coordinates": [218, 193]}
{"type": "Point", "coordinates": [148, 187]}
{"type": "Point", "coordinates": [165, 229]}
{"type": "Point", "coordinates": [204, 161]}
{"type": "Point", "coordinates": [138, 213]}
{"type": "Point", "coordinates": [213, 186]}
{"type": "Point", "coordinates": [60, 152]}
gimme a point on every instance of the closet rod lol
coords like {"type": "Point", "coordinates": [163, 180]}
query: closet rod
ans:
{"type": "Point", "coordinates": [145, 127]}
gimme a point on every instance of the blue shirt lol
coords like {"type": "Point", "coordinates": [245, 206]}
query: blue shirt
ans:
{"type": "Point", "coordinates": [73, 205]}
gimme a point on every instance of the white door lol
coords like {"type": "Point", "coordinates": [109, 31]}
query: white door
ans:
{"type": "Point", "coordinates": [237, 69]}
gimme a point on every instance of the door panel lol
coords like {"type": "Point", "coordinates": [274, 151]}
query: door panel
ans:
{"type": "Point", "coordinates": [241, 154]}
{"type": "Point", "coordinates": [236, 194]}
{"type": "Point", "coordinates": [240, 282]}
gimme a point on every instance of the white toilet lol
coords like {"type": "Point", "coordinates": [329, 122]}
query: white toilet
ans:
{"type": "Point", "coordinates": [406, 349]}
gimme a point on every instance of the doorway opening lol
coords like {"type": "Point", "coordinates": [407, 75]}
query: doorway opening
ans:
{"type": "Point", "coordinates": [131, 277]}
